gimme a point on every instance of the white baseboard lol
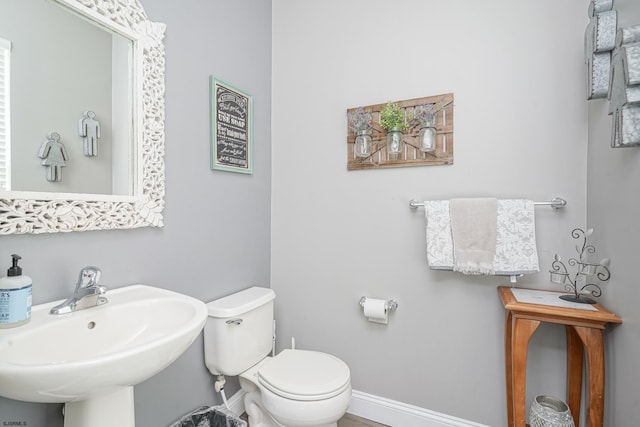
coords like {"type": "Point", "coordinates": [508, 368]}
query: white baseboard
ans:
{"type": "Point", "coordinates": [398, 414]}
{"type": "Point", "coordinates": [384, 411]}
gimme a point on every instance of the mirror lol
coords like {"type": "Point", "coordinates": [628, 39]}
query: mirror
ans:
{"type": "Point", "coordinates": [78, 67]}
{"type": "Point", "coordinates": [121, 85]}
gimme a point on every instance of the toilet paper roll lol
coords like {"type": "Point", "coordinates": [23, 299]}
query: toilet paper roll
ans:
{"type": "Point", "coordinates": [376, 310]}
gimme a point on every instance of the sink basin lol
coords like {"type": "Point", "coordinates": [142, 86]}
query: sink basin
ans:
{"type": "Point", "coordinates": [98, 351]}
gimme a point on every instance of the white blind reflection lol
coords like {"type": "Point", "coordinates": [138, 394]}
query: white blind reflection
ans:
{"type": "Point", "coordinates": [5, 57]}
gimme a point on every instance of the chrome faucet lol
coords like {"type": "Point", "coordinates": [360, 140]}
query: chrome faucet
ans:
{"type": "Point", "coordinates": [87, 293]}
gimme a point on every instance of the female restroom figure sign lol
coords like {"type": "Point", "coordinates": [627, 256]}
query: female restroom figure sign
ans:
{"type": "Point", "coordinates": [89, 129]}
{"type": "Point", "coordinates": [53, 155]}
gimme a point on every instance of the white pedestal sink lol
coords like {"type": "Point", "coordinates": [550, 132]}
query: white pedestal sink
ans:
{"type": "Point", "coordinates": [91, 359]}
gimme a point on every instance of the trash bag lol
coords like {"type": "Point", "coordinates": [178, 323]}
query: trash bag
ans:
{"type": "Point", "coordinates": [210, 416]}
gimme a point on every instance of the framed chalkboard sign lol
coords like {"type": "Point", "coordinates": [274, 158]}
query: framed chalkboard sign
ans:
{"type": "Point", "coordinates": [231, 128]}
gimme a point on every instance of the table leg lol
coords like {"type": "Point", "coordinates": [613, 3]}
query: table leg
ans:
{"type": "Point", "coordinates": [593, 342]}
{"type": "Point", "coordinates": [508, 362]}
{"type": "Point", "coordinates": [575, 359]}
{"type": "Point", "coordinates": [523, 329]}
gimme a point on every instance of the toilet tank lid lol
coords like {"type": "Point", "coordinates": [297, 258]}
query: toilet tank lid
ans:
{"type": "Point", "coordinates": [240, 302]}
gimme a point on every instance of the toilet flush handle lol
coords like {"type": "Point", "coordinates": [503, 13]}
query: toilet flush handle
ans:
{"type": "Point", "coordinates": [234, 321]}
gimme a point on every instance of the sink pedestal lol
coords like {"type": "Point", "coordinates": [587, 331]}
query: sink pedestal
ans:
{"type": "Point", "coordinates": [107, 410]}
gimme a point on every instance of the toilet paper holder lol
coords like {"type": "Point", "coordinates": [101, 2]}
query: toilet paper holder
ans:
{"type": "Point", "coordinates": [390, 305]}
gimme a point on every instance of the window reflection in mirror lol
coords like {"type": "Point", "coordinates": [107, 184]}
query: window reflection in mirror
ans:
{"type": "Point", "coordinates": [5, 67]}
{"type": "Point", "coordinates": [61, 67]}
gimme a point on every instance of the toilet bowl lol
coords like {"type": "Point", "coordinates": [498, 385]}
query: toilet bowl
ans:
{"type": "Point", "coordinates": [295, 388]}
{"type": "Point", "coordinates": [299, 388]}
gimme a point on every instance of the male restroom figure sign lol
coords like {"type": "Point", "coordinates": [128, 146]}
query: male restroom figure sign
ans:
{"type": "Point", "coordinates": [53, 155]}
{"type": "Point", "coordinates": [89, 129]}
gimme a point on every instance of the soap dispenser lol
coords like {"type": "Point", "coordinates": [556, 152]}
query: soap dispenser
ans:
{"type": "Point", "coordinates": [15, 296]}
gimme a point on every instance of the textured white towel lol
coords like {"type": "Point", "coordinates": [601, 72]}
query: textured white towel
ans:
{"type": "Point", "coordinates": [473, 228]}
{"type": "Point", "coordinates": [439, 239]}
{"type": "Point", "coordinates": [516, 251]}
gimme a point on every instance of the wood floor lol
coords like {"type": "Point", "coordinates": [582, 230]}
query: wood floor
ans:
{"type": "Point", "coordinates": [352, 421]}
{"type": "Point", "coordinates": [348, 421]}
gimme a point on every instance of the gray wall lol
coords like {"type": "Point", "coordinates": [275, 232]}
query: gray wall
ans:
{"type": "Point", "coordinates": [613, 209]}
{"type": "Point", "coordinates": [217, 225]}
{"type": "Point", "coordinates": [517, 74]}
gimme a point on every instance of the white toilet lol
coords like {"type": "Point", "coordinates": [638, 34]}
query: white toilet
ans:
{"type": "Point", "coordinates": [296, 388]}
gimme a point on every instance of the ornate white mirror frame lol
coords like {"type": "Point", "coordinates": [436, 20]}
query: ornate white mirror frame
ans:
{"type": "Point", "coordinates": [29, 212]}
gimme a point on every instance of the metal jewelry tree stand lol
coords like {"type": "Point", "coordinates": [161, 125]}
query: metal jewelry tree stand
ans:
{"type": "Point", "coordinates": [578, 282]}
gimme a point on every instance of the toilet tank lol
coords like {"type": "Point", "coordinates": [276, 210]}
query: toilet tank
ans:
{"type": "Point", "coordinates": [239, 331]}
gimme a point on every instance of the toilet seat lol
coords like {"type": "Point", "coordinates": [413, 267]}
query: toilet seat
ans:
{"type": "Point", "coordinates": [305, 375]}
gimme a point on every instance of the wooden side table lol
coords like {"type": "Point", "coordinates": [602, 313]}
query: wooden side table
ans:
{"type": "Point", "coordinates": [584, 329]}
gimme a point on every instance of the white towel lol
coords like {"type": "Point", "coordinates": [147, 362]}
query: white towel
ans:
{"type": "Point", "coordinates": [473, 228]}
{"type": "Point", "coordinates": [516, 251]}
{"type": "Point", "coordinates": [439, 239]}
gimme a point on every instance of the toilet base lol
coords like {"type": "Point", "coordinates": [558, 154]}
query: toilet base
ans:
{"type": "Point", "coordinates": [258, 417]}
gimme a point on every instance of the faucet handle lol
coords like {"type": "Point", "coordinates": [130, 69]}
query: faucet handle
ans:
{"type": "Point", "coordinates": [89, 276]}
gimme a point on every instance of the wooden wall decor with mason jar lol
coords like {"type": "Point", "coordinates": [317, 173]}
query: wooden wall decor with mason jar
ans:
{"type": "Point", "coordinates": [425, 138]}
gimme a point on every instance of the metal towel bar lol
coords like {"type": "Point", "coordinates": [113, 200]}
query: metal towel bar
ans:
{"type": "Point", "coordinates": [555, 203]}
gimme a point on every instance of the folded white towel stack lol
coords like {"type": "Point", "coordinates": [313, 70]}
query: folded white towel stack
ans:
{"type": "Point", "coordinates": [515, 247]}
